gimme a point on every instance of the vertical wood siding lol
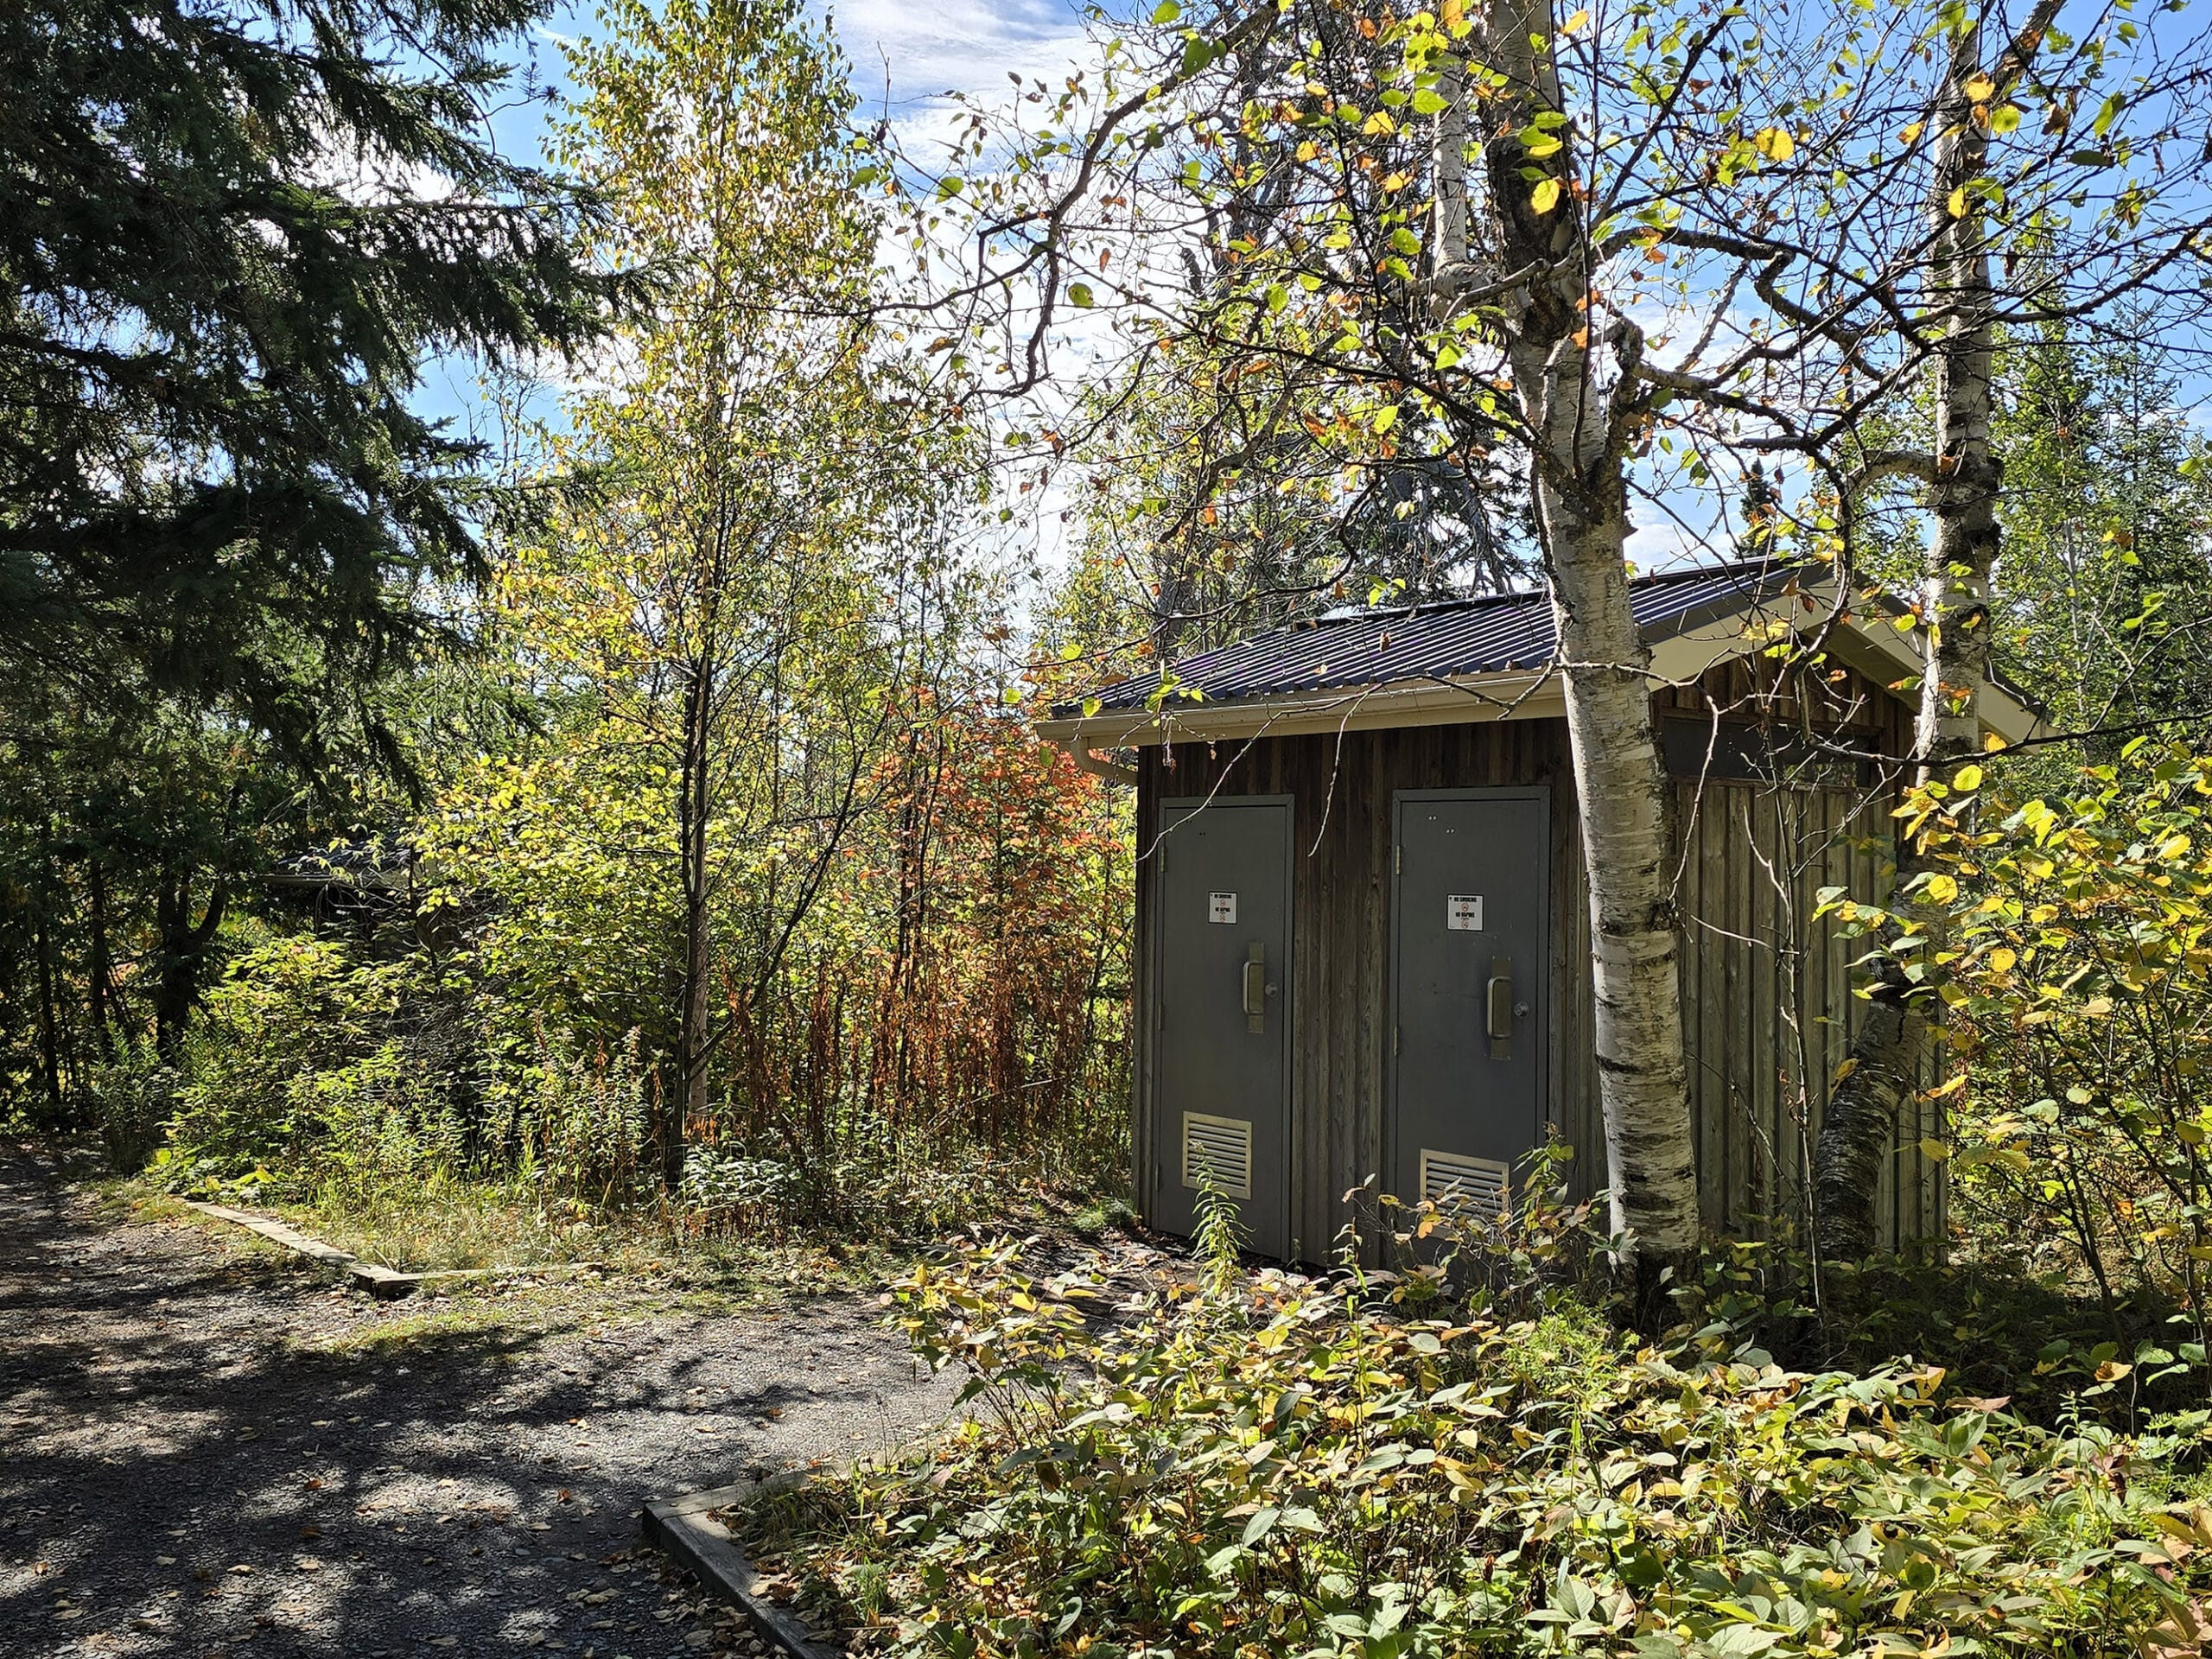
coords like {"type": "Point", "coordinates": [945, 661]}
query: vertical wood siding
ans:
{"type": "Point", "coordinates": [1766, 987]}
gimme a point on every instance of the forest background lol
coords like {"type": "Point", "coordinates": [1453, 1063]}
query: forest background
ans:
{"type": "Point", "coordinates": [616, 826]}
{"type": "Point", "coordinates": [638, 819]}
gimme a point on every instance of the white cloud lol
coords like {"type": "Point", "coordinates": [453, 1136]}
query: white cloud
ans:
{"type": "Point", "coordinates": [906, 57]}
{"type": "Point", "coordinates": [1662, 541]}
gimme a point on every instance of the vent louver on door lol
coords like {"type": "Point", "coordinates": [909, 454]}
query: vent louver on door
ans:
{"type": "Point", "coordinates": [1477, 1186]}
{"type": "Point", "coordinates": [1218, 1153]}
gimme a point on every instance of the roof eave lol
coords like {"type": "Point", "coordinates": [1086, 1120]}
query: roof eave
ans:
{"type": "Point", "coordinates": [1870, 645]}
{"type": "Point", "coordinates": [1457, 700]}
{"type": "Point", "coordinates": [1887, 655]}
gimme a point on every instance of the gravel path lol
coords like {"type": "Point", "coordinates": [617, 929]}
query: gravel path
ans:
{"type": "Point", "coordinates": [184, 1469]}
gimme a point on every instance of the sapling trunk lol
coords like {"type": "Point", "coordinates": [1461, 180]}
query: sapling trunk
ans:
{"type": "Point", "coordinates": [1895, 1045]}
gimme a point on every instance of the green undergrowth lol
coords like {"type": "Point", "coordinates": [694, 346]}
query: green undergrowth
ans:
{"type": "Point", "coordinates": [444, 1225]}
{"type": "Point", "coordinates": [1256, 1464]}
{"type": "Point", "coordinates": [2045, 1345]}
{"type": "Point", "coordinates": [648, 1259]}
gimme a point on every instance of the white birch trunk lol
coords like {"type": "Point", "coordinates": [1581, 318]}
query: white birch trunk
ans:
{"type": "Point", "coordinates": [1622, 798]}
{"type": "Point", "coordinates": [1555, 338]}
{"type": "Point", "coordinates": [1894, 1046]}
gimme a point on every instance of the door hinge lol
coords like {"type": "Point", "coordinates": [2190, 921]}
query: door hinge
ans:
{"type": "Point", "coordinates": [1396, 1031]}
{"type": "Point", "coordinates": [1397, 860]}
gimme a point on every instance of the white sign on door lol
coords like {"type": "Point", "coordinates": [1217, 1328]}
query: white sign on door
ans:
{"type": "Point", "coordinates": [1221, 906]}
{"type": "Point", "coordinates": [1463, 912]}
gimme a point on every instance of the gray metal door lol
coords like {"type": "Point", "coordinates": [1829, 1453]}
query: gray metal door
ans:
{"type": "Point", "coordinates": [1469, 977]}
{"type": "Point", "coordinates": [1223, 1088]}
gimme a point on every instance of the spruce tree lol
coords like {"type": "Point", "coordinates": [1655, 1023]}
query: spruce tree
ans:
{"type": "Point", "coordinates": [232, 234]}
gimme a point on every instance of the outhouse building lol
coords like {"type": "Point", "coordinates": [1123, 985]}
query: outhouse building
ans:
{"type": "Point", "coordinates": [1362, 934]}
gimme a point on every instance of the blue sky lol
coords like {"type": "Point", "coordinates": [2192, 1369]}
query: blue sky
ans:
{"type": "Point", "coordinates": [905, 56]}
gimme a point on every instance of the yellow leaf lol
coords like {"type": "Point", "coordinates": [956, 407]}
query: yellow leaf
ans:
{"type": "Point", "coordinates": [1775, 143]}
{"type": "Point", "coordinates": [2111, 1370]}
{"type": "Point", "coordinates": [1308, 151]}
{"type": "Point", "coordinates": [1545, 196]}
{"type": "Point", "coordinates": [1576, 22]}
{"type": "Point", "coordinates": [1913, 132]}
{"type": "Point", "coordinates": [1981, 88]}
{"type": "Point", "coordinates": [1943, 889]}
{"type": "Point", "coordinates": [1967, 777]}
{"type": "Point", "coordinates": [2001, 960]}
{"type": "Point", "coordinates": [1935, 1152]}
{"type": "Point", "coordinates": [1958, 202]}
{"type": "Point", "coordinates": [2173, 1526]}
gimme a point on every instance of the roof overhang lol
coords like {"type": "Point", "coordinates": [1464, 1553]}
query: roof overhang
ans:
{"type": "Point", "coordinates": [1872, 645]}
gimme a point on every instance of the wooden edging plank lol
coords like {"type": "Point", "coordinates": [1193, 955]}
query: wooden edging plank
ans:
{"type": "Point", "coordinates": [384, 1283]}
{"type": "Point", "coordinates": [683, 1528]}
{"type": "Point", "coordinates": [275, 1231]}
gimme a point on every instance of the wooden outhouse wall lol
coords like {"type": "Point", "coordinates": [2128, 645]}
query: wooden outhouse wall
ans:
{"type": "Point", "coordinates": [1767, 1018]}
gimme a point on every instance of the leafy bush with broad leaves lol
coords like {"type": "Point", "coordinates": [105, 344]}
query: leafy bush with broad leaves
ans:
{"type": "Point", "coordinates": [2070, 941]}
{"type": "Point", "coordinates": [317, 1074]}
{"type": "Point", "coordinates": [1266, 1464]}
{"type": "Point", "coordinates": [310, 1063]}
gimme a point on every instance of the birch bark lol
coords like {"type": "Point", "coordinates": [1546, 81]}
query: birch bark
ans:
{"type": "Point", "coordinates": [1895, 1043]}
{"type": "Point", "coordinates": [1562, 356]}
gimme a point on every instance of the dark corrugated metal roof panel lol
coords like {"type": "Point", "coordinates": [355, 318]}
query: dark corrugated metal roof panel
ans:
{"type": "Point", "coordinates": [1490, 635]}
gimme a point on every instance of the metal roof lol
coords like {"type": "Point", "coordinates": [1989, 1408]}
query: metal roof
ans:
{"type": "Point", "coordinates": [1496, 633]}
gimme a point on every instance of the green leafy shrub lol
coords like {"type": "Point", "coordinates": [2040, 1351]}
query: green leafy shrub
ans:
{"type": "Point", "coordinates": [576, 1125]}
{"type": "Point", "coordinates": [1266, 1466]}
{"type": "Point", "coordinates": [354, 1082]}
{"type": "Point", "coordinates": [1994, 1328]}
{"type": "Point", "coordinates": [313, 1064]}
{"type": "Point", "coordinates": [134, 1097]}
{"type": "Point", "coordinates": [2071, 942]}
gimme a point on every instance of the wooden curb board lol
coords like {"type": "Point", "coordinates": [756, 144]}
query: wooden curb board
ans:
{"type": "Point", "coordinates": [380, 1282]}
{"type": "Point", "coordinates": [681, 1528]}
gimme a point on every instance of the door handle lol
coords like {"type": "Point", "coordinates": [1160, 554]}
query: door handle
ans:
{"type": "Point", "coordinates": [1255, 986]}
{"type": "Point", "coordinates": [1498, 998]}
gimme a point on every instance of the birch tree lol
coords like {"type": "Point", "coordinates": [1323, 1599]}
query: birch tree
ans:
{"type": "Point", "coordinates": [2079, 214]}
{"type": "Point", "coordinates": [1639, 251]}
{"type": "Point", "coordinates": [727, 603]}
{"type": "Point", "coordinates": [1891, 1052]}
{"type": "Point", "coordinates": [1409, 332]}
{"type": "Point", "coordinates": [1504, 84]}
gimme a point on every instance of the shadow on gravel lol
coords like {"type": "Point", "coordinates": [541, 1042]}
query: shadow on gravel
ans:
{"type": "Point", "coordinates": [182, 1472]}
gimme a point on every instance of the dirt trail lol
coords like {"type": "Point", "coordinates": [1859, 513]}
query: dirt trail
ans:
{"type": "Point", "coordinates": [184, 1471]}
